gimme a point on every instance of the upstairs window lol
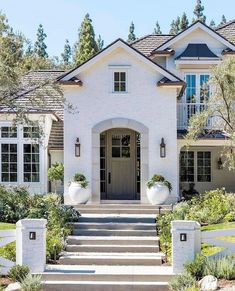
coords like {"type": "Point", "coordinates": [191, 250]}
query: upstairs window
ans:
{"type": "Point", "coordinates": [119, 82]}
{"type": "Point", "coordinates": [198, 88]}
{"type": "Point", "coordinates": [8, 132]}
{"type": "Point", "coordinates": [31, 132]}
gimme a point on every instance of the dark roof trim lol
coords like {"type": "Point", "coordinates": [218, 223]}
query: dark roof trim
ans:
{"type": "Point", "coordinates": [166, 82]}
{"type": "Point", "coordinates": [166, 52]}
{"type": "Point", "coordinates": [134, 49]}
{"type": "Point", "coordinates": [198, 21]}
{"type": "Point", "coordinates": [228, 52]}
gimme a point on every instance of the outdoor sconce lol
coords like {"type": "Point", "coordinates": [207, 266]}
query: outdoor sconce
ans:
{"type": "Point", "coordinates": [220, 163]}
{"type": "Point", "coordinates": [183, 237]}
{"type": "Point", "coordinates": [77, 148]}
{"type": "Point", "coordinates": [162, 149]}
{"type": "Point", "coordinates": [32, 235]}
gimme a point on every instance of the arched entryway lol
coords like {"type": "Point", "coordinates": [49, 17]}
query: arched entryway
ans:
{"type": "Point", "coordinates": [120, 164]}
{"type": "Point", "coordinates": [118, 138]}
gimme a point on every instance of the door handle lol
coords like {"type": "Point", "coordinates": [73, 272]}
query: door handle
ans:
{"type": "Point", "coordinates": [109, 178]}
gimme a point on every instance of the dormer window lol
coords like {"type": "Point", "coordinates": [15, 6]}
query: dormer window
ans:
{"type": "Point", "coordinates": [119, 81]}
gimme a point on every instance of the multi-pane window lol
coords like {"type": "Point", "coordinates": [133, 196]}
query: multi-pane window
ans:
{"type": "Point", "coordinates": [191, 88]}
{"type": "Point", "coordinates": [9, 162]}
{"type": "Point", "coordinates": [8, 132]}
{"type": "Point", "coordinates": [102, 163]}
{"type": "Point", "coordinates": [31, 163]}
{"type": "Point", "coordinates": [31, 132]}
{"type": "Point", "coordinates": [204, 166]}
{"type": "Point", "coordinates": [121, 146]}
{"type": "Point", "coordinates": [187, 166]}
{"type": "Point", "coordinates": [119, 82]}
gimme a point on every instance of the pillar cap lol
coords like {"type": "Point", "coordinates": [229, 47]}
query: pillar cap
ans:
{"type": "Point", "coordinates": [31, 223]}
{"type": "Point", "coordinates": [185, 225]}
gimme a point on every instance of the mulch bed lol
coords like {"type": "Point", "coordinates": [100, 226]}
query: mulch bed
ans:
{"type": "Point", "coordinates": [226, 283]}
{"type": "Point", "coordinates": [4, 281]}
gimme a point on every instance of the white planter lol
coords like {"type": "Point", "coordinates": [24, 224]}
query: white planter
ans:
{"type": "Point", "coordinates": [158, 193]}
{"type": "Point", "coordinates": [77, 194]}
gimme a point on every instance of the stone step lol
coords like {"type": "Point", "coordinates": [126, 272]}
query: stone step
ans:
{"type": "Point", "coordinates": [113, 232]}
{"type": "Point", "coordinates": [140, 259]}
{"type": "Point", "coordinates": [114, 225]}
{"type": "Point", "coordinates": [101, 218]}
{"type": "Point", "coordinates": [117, 210]}
{"type": "Point", "coordinates": [124, 205]}
{"type": "Point", "coordinates": [104, 285]}
{"type": "Point", "coordinates": [112, 240]}
{"type": "Point", "coordinates": [113, 248]}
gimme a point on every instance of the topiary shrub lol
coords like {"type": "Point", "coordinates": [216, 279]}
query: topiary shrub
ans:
{"type": "Point", "coordinates": [56, 173]}
{"type": "Point", "coordinates": [18, 273]}
{"type": "Point", "coordinates": [81, 179]}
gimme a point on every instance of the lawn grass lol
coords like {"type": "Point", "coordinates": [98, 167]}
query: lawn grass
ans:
{"type": "Point", "coordinates": [5, 226]}
{"type": "Point", "coordinates": [209, 250]}
{"type": "Point", "coordinates": [224, 225]}
{"type": "Point", "coordinates": [229, 238]}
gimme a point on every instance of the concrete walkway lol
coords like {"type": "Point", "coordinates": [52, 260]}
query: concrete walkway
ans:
{"type": "Point", "coordinates": [211, 237]}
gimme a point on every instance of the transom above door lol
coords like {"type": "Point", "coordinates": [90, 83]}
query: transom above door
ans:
{"type": "Point", "coordinates": [119, 165]}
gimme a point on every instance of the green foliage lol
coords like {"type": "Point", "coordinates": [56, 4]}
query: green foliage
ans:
{"type": "Point", "coordinates": [67, 54]}
{"type": "Point", "coordinates": [157, 29]}
{"type": "Point", "coordinates": [182, 282]}
{"type": "Point", "coordinates": [18, 273]}
{"type": "Point", "coordinates": [196, 268]}
{"type": "Point", "coordinates": [221, 268]}
{"type": "Point", "coordinates": [81, 179]}
{"type": "Point", "coordinates": [32, 283]}
{"type": "Point", "coordinates": [158, 178]}
{"type": "Point", "coordinates": [9, 251]}
{"type": "Point", "coordinates": [223, 20]}
{"type": "Point", "coordinates": [131, 35]}
{"type": "Point", "coordinates": [56, 172]}
{"type": "Point", "coordinates": [40, 46]}
{"type": "Point", "coordinates": [175, 26]}
{"type": "Point", "coordinates": [184, 23]}
{"type": "Point", "coordinates": [209, 250]}
{"type": "Point", "coordinates": [212, 24]}
{"type": "Point", "coordinates": [86, 46]}
{"type": "Point", "coordinates": [100, 43]}
{"type": "Point", "coordinates": [198, 12]}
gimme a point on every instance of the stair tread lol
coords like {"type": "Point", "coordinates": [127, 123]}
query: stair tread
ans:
{"type": "Point", "coordinates": [106, 283]}
{"type": "Point", "coordinates": [78, 237]}
{"type": "Point", "coordinates": [100, 255]}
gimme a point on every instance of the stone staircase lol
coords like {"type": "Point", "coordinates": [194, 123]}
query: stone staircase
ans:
{"type": "Point", "coordinates": [112, 248]}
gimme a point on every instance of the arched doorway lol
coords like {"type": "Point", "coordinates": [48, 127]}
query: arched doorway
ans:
{"type": "Point", "coordinates": [120, 164]}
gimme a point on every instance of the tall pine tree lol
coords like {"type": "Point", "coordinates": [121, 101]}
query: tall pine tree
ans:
{"type": "Point", "coordinates": [198, 12]}
{"type": "Point", "coordinates": [212, 24]}
{"type": "Point", "coordinates": [67, 54]}
{"type": "Point", "coordinates": [40, 46]}
{"type": "Point", "coordinates": [86, 47]}
{"type": "Point", "coordinates": [157, 29]}
{"type": "Point", "coordinates": [131, 35]}
{"type": "Point", "coordinates": [223, 20]}
{"type": "Point", "coordinates": [175, 26]}
{"type": "Point", "coordinates": [100, 43]}
{"type": "Point", "coordinates": [184, 22]}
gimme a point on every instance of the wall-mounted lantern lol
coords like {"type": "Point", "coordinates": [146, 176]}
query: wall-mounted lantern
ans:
{"type": "Point", "coordinates": [77, 148]}
{"type": "Point", "coordinates": [220, 163]}
{"type": "Point", "coordinates": [183, 236]}
{"type": "Point", "coordinates": [162, 148]}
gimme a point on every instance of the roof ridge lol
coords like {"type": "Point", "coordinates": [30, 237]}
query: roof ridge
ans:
{"type": "Point", "coordinates": [225, 24]}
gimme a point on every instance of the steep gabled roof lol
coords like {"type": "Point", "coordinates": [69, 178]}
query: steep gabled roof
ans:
{"type": "Point", "coordinates": [195, 25]}
{"type": "Point", "coordinates": [119, 43]}
{"type": "Point", "coordinates": [227, 30]}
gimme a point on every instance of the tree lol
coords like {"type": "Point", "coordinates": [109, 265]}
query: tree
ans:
{"type": "Point", "coordinates": [223, 20]}
{"type": "Point", "coordinates": [67, 54]}
{"type": "Point", "coordinates": [40, 46]}
{"type": "Point", "coordinates": [131, 35]}
{"type": "Point", "coordinates": [198, 12]}
{"type": "Point", "coordinates": [184, 22]}
{"type": "Point", "coordinates": [56, 173]}
{"type": "Point", "coordinates": [86, 47]}
{"type": "Point", "coordinates": [219, 109]}
{"type": "Point", "coordinates": [175, 26]}
{"type": "Point", "coordinates": [100, 43]}
{"type": "Point", "coordinates": [212, 24]}
{"type": "Point", "coordinates": [157, 29]}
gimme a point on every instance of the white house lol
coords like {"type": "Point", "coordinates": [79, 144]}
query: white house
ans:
{"type": "Point", "coordinates": [131, 99]}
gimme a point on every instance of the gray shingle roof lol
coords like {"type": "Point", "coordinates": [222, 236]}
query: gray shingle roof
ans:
{"type": "Point", "coordinates": [228, 31]}
{"type": "Point", "coordinates": [56, 140]}
{"type": "Point", "coordinates": [150, 42]}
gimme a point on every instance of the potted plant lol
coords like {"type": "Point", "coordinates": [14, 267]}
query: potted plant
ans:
{"type": "Point", "coordinates": [158, 189]}
{"type": "Point", "coordinates": [78, 191]}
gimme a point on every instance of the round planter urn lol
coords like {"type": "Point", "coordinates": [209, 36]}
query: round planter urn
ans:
{"type": "Point", "coordinates": [158, 193]}
{"type": "Point", "coordinates": [77, 194]}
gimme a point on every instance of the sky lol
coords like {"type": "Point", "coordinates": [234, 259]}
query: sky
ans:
{"type": "Point", "coordinates": [111, 18]}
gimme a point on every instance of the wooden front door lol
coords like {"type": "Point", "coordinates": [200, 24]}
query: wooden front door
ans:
{"type": "Point", "coordinates": [121, 164]}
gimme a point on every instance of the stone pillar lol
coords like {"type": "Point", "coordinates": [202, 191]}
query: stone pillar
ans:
{"type": "Point", "coordinates": [31, 244]}
{"type": "Point", "coordinates": [186, 242]}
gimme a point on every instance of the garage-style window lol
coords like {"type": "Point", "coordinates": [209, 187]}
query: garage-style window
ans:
{"type": "Point", "coordinates": [9, 162]}
{"type": "Point", "coordinates": [31, 163]}
{"type": "Point", "coordinates": [119, 84]}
